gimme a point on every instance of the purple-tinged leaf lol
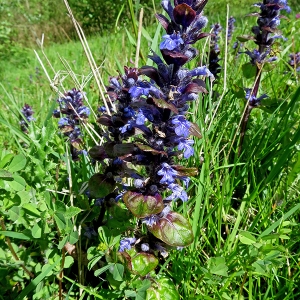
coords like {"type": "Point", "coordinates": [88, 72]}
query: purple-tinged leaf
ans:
{"type": "Point", "coordinates": [98, 153]}
{"type": "Point", "coordinates": [150, 72]}
{"type": "Point", "coordinates": [164, 104]}
{"type": "Point", "coordinates": [202, 35]}
{"type": "Point", "coordinates": [173, 229]}
{"type": "Point", "coordinates": [195, 87]}
{"type": "Point", "coordinates": [123, 149]}
{"type": "Point", "coordinates": [195, 130]}
{"type": "Point", "coordinates": [141, 205]}
{"type": "Point", "coordinates": [184, 171]}
{"type": "Point", "coordinates": [184, 14]}
{"type": "Point", "coordinates": [105, 120]}
{"type": "Point", "coordinates": [100, 186]}
{"type": "Point", "coordinates": [147, 148]}
{"type": "Point", "coordinates": [163, 21]}
{"type": "Point", "coordinates": [143, 263]}
{"type": "Point", "coordinates": [173, 57]}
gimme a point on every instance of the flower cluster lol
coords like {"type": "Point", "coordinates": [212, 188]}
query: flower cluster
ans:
{"type": "Point", "coordinates": [230, 24]}
{"type": "Point", "coordinates": [71, 112]}
{"type": "Point", "coordinates": [27, 117]}
{"type": "Point", "coordinates": [214, 52]}
{"type": "Point", "coordinates": [264, 36]}
{"type": "Point", "coordinates": [149, 131]}
{"type": "Point", "coordinates": [267, 23]}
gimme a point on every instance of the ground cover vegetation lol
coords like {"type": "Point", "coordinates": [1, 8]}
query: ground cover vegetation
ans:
{"type": "Point", "coordinates": [174, 177]}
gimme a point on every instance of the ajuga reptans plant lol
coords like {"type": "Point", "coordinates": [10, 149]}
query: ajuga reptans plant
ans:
{"type": "Point", "coordinates": [26, 117]}
{"type": "Point", "coordinates": [147, 137]}
{"type": "Point", "coordinates": [265, 33]}
{"type": "Point", "coordinates": [71, 112]}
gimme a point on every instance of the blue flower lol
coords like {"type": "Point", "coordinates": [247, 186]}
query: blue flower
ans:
{"type": "Point", "coordinates": [142, 88]}
{"type": "Point", "coordinates": [126, 244]}
{"type": "Point", "coordinates": [145, 247]}
{"type": "Point", "coordinates": [177, 192]}
{"type": "Point", "coordinates": [64, 122]}
{"type": "Point", "coordinates": [168, 174]}
{"type": "Point", "coordinates": [185, 145]}
{"type": "Point", "coordinates": [140, 118]}
{"type": "Point", "coordinates": [252, 99]}
{"type": "Point", "coordinates": [128, 112]}
{"type": "Point", "coordinates": [181, 126]}
{"type": "Point", "coordinates": [171, 42]}
{"type": "Point", "coordinates": [150, 220]}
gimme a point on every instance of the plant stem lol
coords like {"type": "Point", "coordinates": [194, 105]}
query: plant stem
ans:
{"type": "Point", "coordinates": [14, 254]}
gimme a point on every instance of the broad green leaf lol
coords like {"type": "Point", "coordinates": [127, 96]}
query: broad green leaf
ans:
{"type": "Point", "coordinates": [72, 212]}
{"type": "Point", "coordinates": [259, 266]}
{"type": "Point", "coordinates": [117, 270]}
{"type": "Point", "coordinates": [5, 160]}
{"type": "Point", "coordinates": [69, 260]}
{"type": "Point", "coordinates": [247, 238]}
{"type": "Point", "coordinates": [74, 237]}
{"type": "Point", "coordinates": [249, 70]}
{"type": "Point", "coordinates": [162, 289]}
{"type": "Point", "coordinates": [173, 229]}
{"type": "Point", "coordinates": [60, 206]}
{"type": "Point", "coordinates": [60, 221]}
{"type": "Point", "coordinates": [217, 266]}
{"type": "Point", "coordinates": [143, 263]}
{"type": "Point", "coordinates": [18, 163]}
{"type": "Point", "coordinates": [18, 184]}
{"type": "Point", "coordinates": [36, 231]}
{"type": "Point", "coordinates": [31, 210]}
{"type": "Point", "coordinates": [63, 242]}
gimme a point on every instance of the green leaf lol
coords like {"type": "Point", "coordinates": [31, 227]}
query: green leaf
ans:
{"type": "Point", "coordinates": [31, 210]}
{"type": "Point", "coordinates": [162, 289]}
{"type": "Point", "coordinates": [117, 270]}
{"type": "Point", "coordinates": [5, 160]}
{"type": "Point", "coordinates": [63, 242]}
{"type": "Point", "coordinates": [18, 163]}
{"type": "Point", "coordinates": [259, 266]}
{"type": "Point", "coordinates": [247, 238]}
{"type": "Point", "coordinates": [173, 229]}
{"type": "Point", "coordinates": [72, 212]}
{"type": "Point", "coordinates": [249, 70]}
{"type": "Point", "coordinates": [217, 266]}
{"type": "Point", "coordinates": [18, 184]}
{"type": "Point", "coordinates": [143, 263]}
{"type": "Point", "coordinates": [74, 237]}
{"type": "Point", "coordinates": [60, 221]}
{"type": "Point", "coordinates": [36, 231]}
{"type": "Point", "coordinates": [69, 260]}
{"type": "Point", "coordinates": [60, 206]}
{"type": "Point", "coordinates": [15, 235]}
{"type": "Point", "coordinates": [102, 270]}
